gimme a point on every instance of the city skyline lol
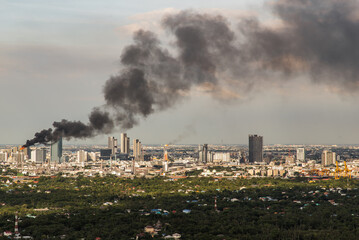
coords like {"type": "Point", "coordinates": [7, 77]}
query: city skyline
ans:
{"type": "Point", "coordinates": [170, 119]}
{"type": "Point", "coordinates": [73, 48]}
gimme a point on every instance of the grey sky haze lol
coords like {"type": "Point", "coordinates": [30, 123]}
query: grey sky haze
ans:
{"type": "Point", "coordinates": [55, 57]}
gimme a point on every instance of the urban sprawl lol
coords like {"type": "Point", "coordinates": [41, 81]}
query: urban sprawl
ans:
{"type": "Point", "coordinates": [122, 159]}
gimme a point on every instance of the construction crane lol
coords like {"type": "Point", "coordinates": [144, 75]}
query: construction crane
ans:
{"type": "Point", "coordinates": [337, 171]}
{"type": "Point", "coordinates": [347, 172]}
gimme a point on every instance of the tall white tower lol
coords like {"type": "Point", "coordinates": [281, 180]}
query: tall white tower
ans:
{"type": "Point", "coordinates": [301, 154]}
{"type": "Point", "coordinates": [123, 142]}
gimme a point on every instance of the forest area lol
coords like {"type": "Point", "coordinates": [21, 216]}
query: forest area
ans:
{"type": "Point", "coordinates": [196, 208]}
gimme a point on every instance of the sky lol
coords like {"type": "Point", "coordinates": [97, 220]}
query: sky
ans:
{"type": "Point", "coordinates": [55, 57]}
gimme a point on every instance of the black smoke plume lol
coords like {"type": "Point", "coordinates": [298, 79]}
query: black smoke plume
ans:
{"type": "Point", "coordinates": [99, 122]}
{"type": "Point", "coordinates": [315, 37]}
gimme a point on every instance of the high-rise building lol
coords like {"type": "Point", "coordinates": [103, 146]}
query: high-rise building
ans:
{"type": "Point", "coordinates": [114, 149]}
{"type": "Point", "coordinates": [82, 156]}
{"type": "Point", "coordinates": [137, 149]}
{"type": "Point", "coordinates": [38, 155]}
{"type": "Point", "coordinates": [255, 148]}
{"type": "Point", "coordinates": [210, 157]}
{"type": "Point", "coordinates": [56, 151]}
{"type": "Point", "coordinates": [112, 144]}
{"type": "Point", "coordinates": [18, 158]}
{"type": "Point", "coordinates": [3, 156]}
{"type": "Point", "coordinates": [14, 149]}
{"type": "Point", "coordinates": [27, 152]}
{"type": "Point", "coordinates": [334, 158]}
{"type": "Point", "coordinates": [127, 146]}
{"type": "Point", "coordinates": [300, 154]}
{"type": "Point", "coordinates": [328, 158]}
{"type": "Point", "coordinates": [125, 143]}
{"type": "Point", "coordinates": [105, 154]}
{"type": "Point", "coordinates": [205, 153]}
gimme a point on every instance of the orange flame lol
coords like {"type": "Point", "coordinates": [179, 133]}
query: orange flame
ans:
{"type": "Point", "coordinates": [22, 148]}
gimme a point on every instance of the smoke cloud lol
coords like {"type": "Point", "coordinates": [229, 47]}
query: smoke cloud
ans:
{"type": "Point", "coordinates": [99, 122]}
{"type": "Point", "coordinates": [317, 38]}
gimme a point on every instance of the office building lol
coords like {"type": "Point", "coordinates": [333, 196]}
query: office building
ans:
{"type": "Point", "coordinates": [105, 154]}
{"type": "Point", "coordinates": [38, 155]}
{"type": "Point", "coordinates": [125, 143]}
{"type": "Point", "coordinates": [82, 156]}
{"type": "Point", "coordinates": [300, 154]}
{"type": "Point", "coordinates": [200, 156]}
{"type": "Point", "coordinates": [27, 152]}
{"type": "Point", "coordinates": [112, 144]}
{"type": "Point", "coordinates": [255, 148]}
{"type": "Point", "coordinates": [18, 158]}
{"type": "Point", "coordinates": [137, 149]}
{"type": "Point", "coordinates": [203, 153]}
{"type": "Point", "coordinates": [328, 158]}
{"type": "Point", "coordinates": [56, 151]}
{"type": "Point", "coordinates": [3, 156]}
{"type": "Point", "coordinates": [210, 156]}
{"type": "Point", "coordinates": [127, 146]}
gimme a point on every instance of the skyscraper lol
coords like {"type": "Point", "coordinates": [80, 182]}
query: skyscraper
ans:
{"type": "Point", "coordinates": [3, 156]}
{"type": "Point", "coordinates": [82, 156]}
{"type": "Point", "coordinates": [137, 149]}
{"type": "Point", "coordinates": [328, 158]}
{"type": "Point", "coordinates": [300, 154]}
{"type": "Point", "coordinates": [127, 146]}
{"type": "Point", "coordinates": [38, 155]}
{"type": "Point", "coordinates": [56, 151]}
{"type": "Point", "coordinates": [203, 153]}
{"type": "Point", "coordinates": [255, 148]}
{"type": "Point", "coordinates": [125, 143]}
{"type": "Point", "coordinates": [112, 144]}
{"type": "Point", "coordinates": [27, 152]}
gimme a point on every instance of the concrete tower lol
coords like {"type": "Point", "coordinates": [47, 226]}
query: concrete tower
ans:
{"type": "Point", "coordinates": [137, 149]}
{"type": "Point", "coordinates": [112, 144]}
{"type": "Point", "coordinates": [38, 155]}
{"type": "Point", "coordinates": [56, 151]}
{"type": "Point", "coordinates": [255, 148]}
{"type": "Point", "coordinates": [123, 142]}
{"type": "Point", "coordinates": [300, 154]}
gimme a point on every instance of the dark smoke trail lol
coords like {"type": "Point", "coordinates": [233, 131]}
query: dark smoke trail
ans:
{"type": "Point", "coordinates": [316, 37]}
{"type": "Point", "coordinates": [99, 122]}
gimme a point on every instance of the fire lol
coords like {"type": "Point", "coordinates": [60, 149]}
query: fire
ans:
{"type": "Point", "coordinates": [22, 148]}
